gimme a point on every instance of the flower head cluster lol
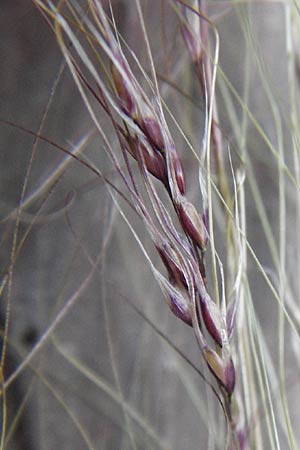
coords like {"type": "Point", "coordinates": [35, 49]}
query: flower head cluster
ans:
{"type": "Point", "coordinates": [144, 135]}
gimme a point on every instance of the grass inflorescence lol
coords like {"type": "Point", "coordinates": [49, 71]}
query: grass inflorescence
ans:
{"type": "Point", "coordinates": [192, 143]}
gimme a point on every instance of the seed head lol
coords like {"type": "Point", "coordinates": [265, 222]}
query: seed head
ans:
{"type": "Point", "coordinates": [192, 42]}
{"type": "Point", "coordinates": [192, 222]}
{"type": "Point", "coordinates": [179, 305]}
{"type": "Point", "coordinates": [121, 83]}
{"type": "Point", "coordinates": [153, 160]}
{"type": "Point", "coordinates": [191, 33]}
{"type": "Point", "coordinates": [211, 316]}
{"type": "Point", "coordinates": [178, 170]}
{"type": "Point", "coordinates": [223, 371]}
{"type": "Point", "coordinates": [150, 126]}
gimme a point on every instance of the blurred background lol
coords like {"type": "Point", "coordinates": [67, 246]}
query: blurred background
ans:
{"type": "Point", "coordinates": [104, 378]}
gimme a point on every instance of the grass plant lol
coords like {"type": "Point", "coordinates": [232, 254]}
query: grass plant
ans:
{"type": "Point", "coordinates": [164, 164]}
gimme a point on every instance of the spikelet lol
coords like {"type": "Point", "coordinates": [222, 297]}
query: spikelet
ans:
{"type": "Point", "coordinates": [192, 222]}
{"type": "Point", "coordinates": [223, 370]}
